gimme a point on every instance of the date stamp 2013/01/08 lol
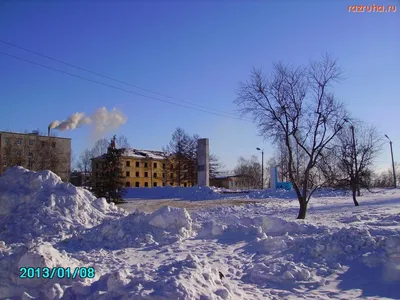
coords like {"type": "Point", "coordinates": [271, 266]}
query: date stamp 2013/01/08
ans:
{"type": "Point", "coordinates": [58, 272]}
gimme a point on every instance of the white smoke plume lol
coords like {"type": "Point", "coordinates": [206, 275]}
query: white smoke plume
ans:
{"type": "Point", "coordinates": [102, 120]}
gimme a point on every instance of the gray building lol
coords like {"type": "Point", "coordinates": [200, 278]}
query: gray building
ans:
{"type": "Point", "coordinates": [35, 152]}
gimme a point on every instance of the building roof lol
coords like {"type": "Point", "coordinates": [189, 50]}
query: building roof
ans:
{"type": "Point", "coordinates": [226, 175]}
{"type": "Point", "coordinates": [139, 154]}
{"type": "Point", "coordinates": [34, 133]}
{"type": "Point", "coordinates": [136, 153]}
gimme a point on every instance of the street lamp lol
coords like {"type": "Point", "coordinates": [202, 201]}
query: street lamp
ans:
{"type": "Point", "coordinates": [262, 167]}
{"type": "Point", "coordinates": [394, 170]}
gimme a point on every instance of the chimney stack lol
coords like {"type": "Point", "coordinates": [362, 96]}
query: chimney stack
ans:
{"type": "Point", "coordinates": [48, 131]}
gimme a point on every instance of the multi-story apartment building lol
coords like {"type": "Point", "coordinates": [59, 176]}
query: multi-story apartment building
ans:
{"type": "Point", "coordinates": [35, 152]}
{"type": "Point", "coordinates": [142, 168]}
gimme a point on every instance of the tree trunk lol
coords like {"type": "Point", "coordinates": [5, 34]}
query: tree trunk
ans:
{"type": "Point", "coordinates": [303, 208]}
{"type": "Point", "coordinates": [354, 190]}
{"type": "Point", "coordinates": [358, 191]}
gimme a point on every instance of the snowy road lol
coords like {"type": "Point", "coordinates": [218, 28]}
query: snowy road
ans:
{"type": "Point", "coordinates": [150, 205]}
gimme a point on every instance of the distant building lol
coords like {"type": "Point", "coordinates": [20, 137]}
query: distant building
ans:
{"type": "Point", "coordinates": [80, 178]}
{"type": "Point", "coordinates": [142, 168]}
{"type": "Point", "coordinates": [35, 152]}
{"type": "Point", "coordinates": [231, 181]}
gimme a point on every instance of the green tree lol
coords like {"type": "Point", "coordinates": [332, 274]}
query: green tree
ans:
{"type": "Point", "coordinates": [111, 186]}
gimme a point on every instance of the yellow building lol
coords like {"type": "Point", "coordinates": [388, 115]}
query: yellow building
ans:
{"type": "Point", "coordinates": [35, 152]}
{"type": "Point", "coordinates": [142, 168]}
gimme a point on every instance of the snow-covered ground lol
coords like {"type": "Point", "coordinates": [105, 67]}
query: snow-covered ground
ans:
{"type": "Point", "coordinates": [231, 246]}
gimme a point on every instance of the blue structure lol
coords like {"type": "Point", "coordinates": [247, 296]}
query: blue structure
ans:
{"type": "Point", "coordinates": [275, 184]}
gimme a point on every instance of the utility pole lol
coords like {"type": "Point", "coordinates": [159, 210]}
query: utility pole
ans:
{"type": "Point", "coordinates": [394, 169]}
{"type": "Point", "coordinates": [262, 167]}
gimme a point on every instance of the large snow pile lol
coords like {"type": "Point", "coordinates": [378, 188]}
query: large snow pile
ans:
{"type": "Point", "coordinates": [164, 226]}
{"type": "Point", "coordinates": [187, 278]}
{"type": "Point", "coordinates": [168, 192]}
{"type": "Point", "coordinates": [39, 204]}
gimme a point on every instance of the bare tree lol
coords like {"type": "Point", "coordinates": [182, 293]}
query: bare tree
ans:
{"type": "Point", "coordinates": [385, 178]}
{"type": "Point", "coordinates": [84, 163]}
{"type": "Point", "coordinates": [100, 147]}
{"type": "Point", "coordinates": [350, 160]}
{"type": "Point", "coordinates": [215, 165]}
{"type": "Point", "coordinates": [295, 105]}
{"type": "Point", "coordinates": [251, 170]}
{"type": "Point", "coordinates": [122, 142]}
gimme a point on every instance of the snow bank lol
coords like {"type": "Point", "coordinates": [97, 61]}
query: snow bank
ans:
{"type": "Point", "coordinates": [168, 192]}
{"type": "Point", "coordinates": [190, 278]}
{"type": "Point", "coordinates": [317, 254]}
{"type": "Point", "coordinates": [164, 226]}
{"type": "Point", "coordinates": [39, 256]}
{"type": "Point", "coordinates": [39, 204]}
{"type": "Point", "coordinates": [237, 226]}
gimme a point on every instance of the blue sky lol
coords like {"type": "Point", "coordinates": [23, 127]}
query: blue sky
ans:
{"type": "Point", "coordinates": [196, 51]}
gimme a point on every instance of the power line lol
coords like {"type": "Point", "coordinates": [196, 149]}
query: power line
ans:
{"type": "Point", "coordinates": [113, 79]}
{"type": "Point", "coordinates": [115, 87]}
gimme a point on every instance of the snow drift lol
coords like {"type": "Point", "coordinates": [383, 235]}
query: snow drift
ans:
{"type": "Point", "coordinates": [39, 204]}
{"type": "Point", "coordinates": [164, 226]}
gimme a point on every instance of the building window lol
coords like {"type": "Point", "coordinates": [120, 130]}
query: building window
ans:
{"type": "Point", "coordinates": [30, 142]}
{"type": "Point", "coordinates": [54, 144]}
{"type": "Point", "coordinates": [163, 175]}
{"type": "Point", "coordinates": [155, 165]}
{"type": "Point", "coordinates": [146, 184]}
{"type": "Point", "coordinates": [163, 184]}
{"type": "Point", "coordinates": [172, 167]}
{"type": "Point", "coordinates": [185, 184]}
{"type": "Point", "coordinates": [137, 184]}
{"type": "Point", "coordinates": [19, 141]}
{"type": "Point", "coordinates": [171, 184]}
{"type": "Point", "coordinates": [128, 184]}
{"type": "Point", "coordinates": [146, 165]}
{"type": "Point", "coordinates": [30, 154]}
{"type": "Point", "coordinates": [155, 175]}
{"type": "Point", "coordinates": [6, 141]}
{"type": "Point", "coordinates": [137, 164]}
{"type": "Point", "coordinates": [155, 184]}
{"type": "Point", "coordinates": [128, 163]}
{"type": "Point", "coordinates": [43, 144]}
{"type": "Point", "coordinates": [19, 153]}
{"type": "Point", "coordinates": [97, 166]}
{"type": "Point", "coordinates": [163, 165]}
{"type": "Point", "coordinates": [128, 174]}
{"type": "Point", "coordinates": [137, 174]}
{"type": "Point", "coordinates": [146, 174]}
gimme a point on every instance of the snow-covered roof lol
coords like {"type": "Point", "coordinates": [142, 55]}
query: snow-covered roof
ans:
{"type": "Point", "coordinates": [222, 175]}
{"type": "Point", "coordinates": [136, 153]}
